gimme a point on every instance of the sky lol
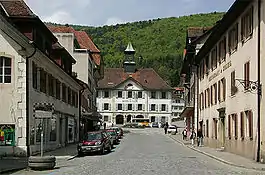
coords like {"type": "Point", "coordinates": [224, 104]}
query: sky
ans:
{"type": "Point", "coordinates": [111, 12]}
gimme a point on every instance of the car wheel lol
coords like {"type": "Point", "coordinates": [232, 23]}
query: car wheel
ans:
{"type": "Point", "coordinates": [110, 148]}
{"type": "Point", "coordinates": [103, 150]}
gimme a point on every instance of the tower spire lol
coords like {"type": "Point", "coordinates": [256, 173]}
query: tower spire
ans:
{"type": "Point", "coordinates": [129, 62]}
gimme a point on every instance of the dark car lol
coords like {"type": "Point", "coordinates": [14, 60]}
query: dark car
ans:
{"type": "Point", "coordinates": [155, 125]}
{"type": "Point", "coordinates": [118, 130]}
{"type": "Point", "coordinates": [114, 135]}
{"type": "Point", "coordinates": [97, 141]}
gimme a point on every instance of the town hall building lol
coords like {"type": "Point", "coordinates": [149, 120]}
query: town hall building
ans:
{"type": "Point", "coordinates": [131, 95]}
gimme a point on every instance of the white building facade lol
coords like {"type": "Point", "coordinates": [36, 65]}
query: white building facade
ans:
{"type": "Point", "coordinates": [127, 95]}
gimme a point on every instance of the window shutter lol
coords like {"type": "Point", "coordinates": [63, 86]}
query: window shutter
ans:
{"type": "Point", "coordinates": [143, 107]}
{"type": "Point", "coordinates": [123, 94]}
{"type": "Point", "coordinates": [156, 107]}
{"type": "Point", "coordinates": [160, 107]}
{"type": "Point", "coordinates": [143, 94]}
{"type": "Point", "coordinates": [103, 107]}
{"type": "Point", "coordinates": [219, 91]}
{"type": "Point", "coordinates": [133, 107]}
{"type": "Point", "coordinates": [123, 107]}
{"type": "Point", "coordinates": [110, 107]}
{"type": "Point", "coordinates": [116, 107]}
{"type": "Point", "coordinates": [224, 89]}
{"type": "Point", "coordinates": [167, 108]}
{"type": "Point", "coordinates": [149, 107]}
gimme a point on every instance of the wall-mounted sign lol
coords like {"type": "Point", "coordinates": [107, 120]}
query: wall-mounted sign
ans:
{"type": "Point", "coordinates": [43, 114]}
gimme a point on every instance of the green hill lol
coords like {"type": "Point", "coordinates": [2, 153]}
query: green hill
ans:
{"type": "Point", "coordinates": [160, 42]}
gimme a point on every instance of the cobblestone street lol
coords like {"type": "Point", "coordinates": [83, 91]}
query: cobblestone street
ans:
{"type": "Point", "coordinates": [146, 152]}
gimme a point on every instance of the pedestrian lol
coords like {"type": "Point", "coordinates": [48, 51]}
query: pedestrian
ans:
{"type": "Point", "coordinates": [184, 134]}
{"type": "Point", "coordinates": [104, 125]}
{"type": "Point", "coordinates": [199, 137]}
{"type": "Point", "coordinates": [166, 127]}
{"type": "Point", "coordinates": [192, 137]}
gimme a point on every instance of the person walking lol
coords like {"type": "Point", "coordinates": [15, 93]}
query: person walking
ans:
{"type": "Point", "coordinates": [192, 137]}
{"type": "Point", "coordinates": [105, 124]}
{"type": "Point", "coordinates": [184, 134]}
{"type": "Point", "coordinates": [166, 127]}
{"type": "Point", "coordinates": [199, 137]}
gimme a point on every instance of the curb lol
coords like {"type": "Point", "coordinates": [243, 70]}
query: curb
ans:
{"type": "Point", "coordinates": [217, 158]}
{"type": "Point", "coordinates": [11, 170]}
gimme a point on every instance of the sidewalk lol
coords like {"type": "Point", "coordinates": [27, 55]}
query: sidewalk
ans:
{"type": "Point", "coordinates": [10, 164]}
{"type": "Point", "coordinates": [222, 156]}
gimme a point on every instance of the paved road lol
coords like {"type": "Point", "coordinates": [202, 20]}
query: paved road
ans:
{"type": "Point", "coordinates": [146, 152]}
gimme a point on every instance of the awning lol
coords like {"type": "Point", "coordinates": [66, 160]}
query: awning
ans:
{"type": "Point", "coordinates": [92, 116]}
{"type": "Point", "coordinates": [187, 112]}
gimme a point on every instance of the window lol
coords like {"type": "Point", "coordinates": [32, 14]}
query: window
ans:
{"type": "Point", "coordinates": [63, 92]}
{"type": "Point", "coordinates": [140, 107]}
{"type": "Point", "coordinates": [224, 89]}
{"type": "Point", "coordinates": [58, 89]}
{"type": "Point", "coordinates": [163, 107]}
{"type": "Point", "coordinates": [119, 94]}
{"type": "Point", "coordinates": [106, 94]}
{"type": "Point", "coordinates": [209, 98]}
{"type": "Point", "coordinates": [129, 94]}
{"type": "Point", "coordinates": [153, 94]}
{"type": "Point", "coordinates": [34, 75]}
{"type": "Point", "coordinates": [140, 94]}
{"type": "Point", "coordinates": [53, 130]}
{"type": "Point", "coordinates": [106, 106]}
{"type": "Point", "coordinates": [43, 81]}
{"type": "Point", "coordinates": [229, 127]}
{"type": "Point", "coordinates": [5, 70]}
{"type": "Point", "coordinates": [215, 93]}
{"type": "Point", "coordinates": [247, 24]}
{"type": "Point", "coordinates": [233, 38]}
{"type": "Point", "coordinates": [214, 57]}
{"type": "Point", "coordinates": [207, 128]}
{"type": "Point", "coordinates": [219, 91]}
{"type": "Point", "coordinates": [51, 85]}
{"type": "Point", "coordinates": [233, 83]}
{"type": "Point", "coordinates": [215, 128]}
{"type": "Point", "coordinates": [202, 101]}
{"type": "Point", "coordinates": [119, 106]}
{"type": "Point", "coordinates": [106, 118]}
{"type": "Point", "coordinates": [222, 49]}
{"type": "Point", "coordinates": [246, 75]}
{"type": "Point", "coordinates": [130, 107]}
{"type": "Point", "coordinates": [242, 125]}
{"type": "Point", "coordinates": [153, 107]}
{"type": "Point", "coordinates": [235, 125]}
{"type": "Point", "coordinates": [69, 96]}
{"type": "Point", "coordinates": [249, 115]}
{"type": "Point", "coordinates": [205, 98]}
{"type": "Point", "coordinates": [164, 95]}
{"type": "Point", "coordinates": [211, 94]}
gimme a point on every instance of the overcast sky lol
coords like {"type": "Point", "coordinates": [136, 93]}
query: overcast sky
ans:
{"type": "Point", "coordinates": [109, 12]}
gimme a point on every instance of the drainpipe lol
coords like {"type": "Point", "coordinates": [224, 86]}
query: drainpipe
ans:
{"type": "Point", "coordinates": [27, 98]}
{"type": "Point", "coordinates": [259, 85]}
{"type": "Point", "coordinates": [197, 95]}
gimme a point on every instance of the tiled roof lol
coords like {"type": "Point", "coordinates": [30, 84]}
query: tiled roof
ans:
{"type": "Point", "coordinates": [84, 41]}
{"type": "Point", "coordinates": [147, 77]}
{"type": "Point", "coordinates": [179, 88]}
{"type": "Point", "coordinates": [61, 29]}
{"type": "Point", "coordinates": [16, 8]}
{"type": "Point", "coordinates": [197, 31]}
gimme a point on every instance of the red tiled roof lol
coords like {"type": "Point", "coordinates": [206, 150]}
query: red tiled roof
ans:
{"type": "Point", "coordinates": [147, 77]}
{"type": "Point", "coordinates": [85, 41]}
{"type": "Point", "coordinates": [16, 8]}
{"type": "Point", "coordinates": [61, 29]}
{"type": "Point", "coordinates": [197, 31]}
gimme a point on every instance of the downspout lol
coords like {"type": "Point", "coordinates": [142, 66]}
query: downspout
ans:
{"type": "Point", "coordinates": [259, 85]}
{"type": "Point", "coordinates": [197, 96]}
{"type": "Point", "coordinates": [27, 99]}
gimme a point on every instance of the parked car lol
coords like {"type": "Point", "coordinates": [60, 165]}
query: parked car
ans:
{"type": "Point", "coordinates": [114, 136]}
{"type": "Point", "coordinates": [155, 125]}
{"type": "Point", "coordinates": [117, 129]}
{"type": "Point", "coordinates": [97, 141]}
{"type": "Point", "coordinates": [172, 128]}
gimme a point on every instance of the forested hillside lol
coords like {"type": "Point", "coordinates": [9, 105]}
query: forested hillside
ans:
{"type": "Point", "coordinates": [160, 42]}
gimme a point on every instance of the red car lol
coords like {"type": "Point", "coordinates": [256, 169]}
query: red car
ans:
{"type": "Point", "coordinates": [97, 141]}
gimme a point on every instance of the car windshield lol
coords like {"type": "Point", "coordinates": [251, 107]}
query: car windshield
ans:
{"type": "Point", "coordinates": [93, 136]}
{"type": "Point", "coordinates": [112, 133]}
